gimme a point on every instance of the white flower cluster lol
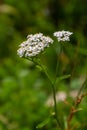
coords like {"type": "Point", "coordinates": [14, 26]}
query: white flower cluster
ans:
{"type": "Point", "coordinates": [34, 45]}
{"type": "Point", "coordinates": [63, 35]}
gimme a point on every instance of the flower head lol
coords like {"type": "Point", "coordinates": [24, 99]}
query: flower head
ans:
{"type": "Point", "coordinates": [63, 35]}
{"type": "Point", "coordinates": [34, 45]}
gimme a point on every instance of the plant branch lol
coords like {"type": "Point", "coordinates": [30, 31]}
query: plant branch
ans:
{"type": "Point", "coordinates": [82, 87]}
{"type": "Point", "coordinates": [78, 100]}
{"type": "Point", "coordinates": [54, 95]}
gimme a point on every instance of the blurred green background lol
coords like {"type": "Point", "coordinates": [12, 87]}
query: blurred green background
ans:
{"type": "Point", "coordinates": [24, 90]}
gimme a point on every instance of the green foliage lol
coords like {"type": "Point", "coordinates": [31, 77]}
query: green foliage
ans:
{"type": "Point", "coordinates": [24, 90]}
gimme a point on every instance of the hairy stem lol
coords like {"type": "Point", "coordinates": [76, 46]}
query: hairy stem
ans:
{"type": "Point", "coordinates": [54, 96]}
{"type": "Point", "coordinates": [38, 62]}
{"type": "Point", "coordinates": [55, 106]}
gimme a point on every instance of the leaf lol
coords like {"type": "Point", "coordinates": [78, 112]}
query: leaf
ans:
{"type": "Point", "coordinates": [79, 109]}
{"type": "Point", "coordinates": [39, 67]}
{"type": "Point", "coordinates": [42, 124]}
{"type": "Point", "coordinates": [62, 77]}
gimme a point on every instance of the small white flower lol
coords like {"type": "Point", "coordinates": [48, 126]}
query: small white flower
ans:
{"type": "Point", "coordinates": [34, 45]}
{"type": "Point", "coordinates": [63, 35]}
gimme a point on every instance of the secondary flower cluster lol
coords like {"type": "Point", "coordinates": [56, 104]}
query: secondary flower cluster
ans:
{"type": "Point", "coordinates": [63, 35]}
{"type": "Point", "coordinates": [36, 43]}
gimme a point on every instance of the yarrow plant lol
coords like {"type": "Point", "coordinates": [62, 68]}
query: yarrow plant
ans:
{"type": "Point", "coordinates": [63, 35]}
{"type": "Point", "coordinates": [34, 46]}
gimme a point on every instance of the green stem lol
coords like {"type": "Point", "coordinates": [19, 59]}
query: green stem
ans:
{"type": "Point", "coordinates": [57, 65]}
{"type": "Point", "coordinates": [55, 106]}
{"type": "Point", "coordinates": [54, 96]}
{"type": "Point", "coordinates": [38, 62]}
